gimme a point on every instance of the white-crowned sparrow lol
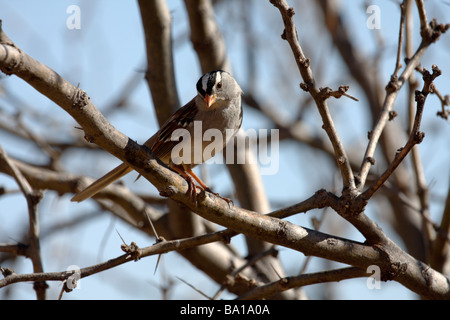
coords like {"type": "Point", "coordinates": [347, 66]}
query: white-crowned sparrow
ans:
{"type": "Point", "coordinates": [217, 105]}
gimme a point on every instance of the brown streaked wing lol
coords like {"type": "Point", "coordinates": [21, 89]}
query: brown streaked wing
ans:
{"type": "Point", "coordinates": [179, 120]}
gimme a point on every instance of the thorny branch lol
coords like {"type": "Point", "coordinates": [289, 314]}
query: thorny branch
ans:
{"type": "Point", "coordinates": [239, 220]}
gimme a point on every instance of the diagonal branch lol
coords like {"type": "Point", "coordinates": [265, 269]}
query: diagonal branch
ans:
{"type": "Point", "coordinates": [33, 250]}
{"type": "Point", "coordinates": [268, 290]}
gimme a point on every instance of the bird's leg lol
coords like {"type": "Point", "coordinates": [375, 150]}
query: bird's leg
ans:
{"type": "Point", "coordinates": [191, 184]}
{"type": "Point", "coordinates": [204, 187]}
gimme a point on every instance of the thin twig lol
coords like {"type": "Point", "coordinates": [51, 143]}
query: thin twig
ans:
{"type": "Point", "coordinates": [262, 227]}
{"type": "Point", "coordinates": [398, 64]}
{"type": "Point", "coordinates": [445, 100]}
{"type": "Point", "coordinates": [309, 85]}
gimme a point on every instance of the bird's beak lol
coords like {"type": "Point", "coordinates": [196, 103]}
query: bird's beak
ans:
{"type": "Point", "coordinates": [210, 99]}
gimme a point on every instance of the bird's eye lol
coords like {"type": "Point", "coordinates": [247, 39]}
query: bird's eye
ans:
{"type": "Point", "coordinates": [219, 85]}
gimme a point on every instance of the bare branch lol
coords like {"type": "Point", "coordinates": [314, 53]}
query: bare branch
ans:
{"type": "Point", "coordinates": [398, 64]}
{"type": "Point", "coordinates": [33, 198]}
{"type": "Point", "coordinates": [415, 137]}
{"type": "Point", "coordinates": [206, 37]}
{"type": "Point", "coordinates": [133, 252]}
{"type": "Point", "coordinates": [212, 209]}
{"type": "Point", "coordinates": [342, 91]}
{"type": "Point", "coordinates": [440, 250]}
{"type": "Point", "coordinates": [309, 85]}
{"type": "Point", "coordinates": [160, 73]}
{"type": "Point", "coordinates": [320, 199]}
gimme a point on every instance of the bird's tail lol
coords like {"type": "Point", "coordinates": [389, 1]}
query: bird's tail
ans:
{"type": "Point", "coordinates": [102, 183]}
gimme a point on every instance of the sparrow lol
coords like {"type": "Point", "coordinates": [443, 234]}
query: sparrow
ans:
{"type": "Point", "coordinates": [217, 106]}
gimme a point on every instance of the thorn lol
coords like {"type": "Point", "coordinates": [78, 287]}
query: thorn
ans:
{"type": "Point", "coordinates": [157, 263]}
{"type": "Point", "coordinates": [121, 237]}
{"type": "Point", "coordinates": [151, 224]}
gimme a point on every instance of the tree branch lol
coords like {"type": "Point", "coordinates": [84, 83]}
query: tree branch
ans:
{"type": "Point", "coordinates": [268, 290]}
{"type": "Point", "coordinates": [133, 253]}
{"type": "Point", "coordinates": [173, 185]}
{"type": "Point", "coordinates": [210, 48]}
{"type": "Point", "coordinates": [160, 73]}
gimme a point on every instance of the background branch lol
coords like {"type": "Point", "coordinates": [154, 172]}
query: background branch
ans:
{"type": "Point", "coordinates": [210, 48]}
{"type": "Point", "coordinates": [33, 250]}
{"type": "Point", "coordinates": [303, 64]}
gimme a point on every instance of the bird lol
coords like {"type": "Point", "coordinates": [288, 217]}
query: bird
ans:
{"type": "Point", "coordinates": [217, 106]}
